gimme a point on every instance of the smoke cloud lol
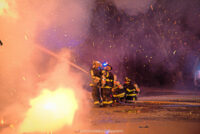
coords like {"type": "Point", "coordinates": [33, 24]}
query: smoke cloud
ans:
{"type": "Point", "coordinates": [134, 7]}
{"type": "Point", "coordinates": [25, 70]}
{"type": "Point", "coordinates": [70, 23]}
{"type": "Point", "coordinates": [154, 42]}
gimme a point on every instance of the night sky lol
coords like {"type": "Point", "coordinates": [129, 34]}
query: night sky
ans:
{"type": "Point", "coordinates": [155, 42]}
{"type": "Point", "coordinates": [48, 45]}
{"type": "Point", "coordinates": [157, 45]}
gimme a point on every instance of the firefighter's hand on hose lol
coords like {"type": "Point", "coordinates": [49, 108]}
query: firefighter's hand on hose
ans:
{"type": "Point", "coordinates": [96, 80]}
{"type": "Point", "coordinates": [103, 81]}
{"type": "Point", "coordinates": [113, 89]}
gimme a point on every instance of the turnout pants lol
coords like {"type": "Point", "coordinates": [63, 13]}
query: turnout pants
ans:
{"type": "Point", "coordinates": [96, 95]}
{"type": "Point", "coordinates": [107, 96]}
{"type": "Point", "coordinates": [119, 95]}
{"type": "Point", "coordinates": [131, 96]}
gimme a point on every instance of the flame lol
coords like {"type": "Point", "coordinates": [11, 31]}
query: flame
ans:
{"type": "Point", "coordinates": [2, 122]}
{"type": "Point", "coordinates": [6, 8]}
{"type": "Point", "coordinates": [3, 6]}
{"type": "Point", "coordinates": [50, 111]}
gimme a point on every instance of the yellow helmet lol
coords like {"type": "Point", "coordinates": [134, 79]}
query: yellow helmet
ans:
{"type": "Point", "coordinates": [96, 64]}
{"type": "Point", "coordinates": [127, 79]}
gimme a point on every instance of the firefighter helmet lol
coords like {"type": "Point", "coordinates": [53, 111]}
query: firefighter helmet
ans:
{"type": "Point", "coordinates": [96, 64]}
{"type": "Point", "coordinates": [105, 64]}
{"type": "Point", "coordinates": [108, 67]}
{"type": "Point", "coordinates": [127, 79]}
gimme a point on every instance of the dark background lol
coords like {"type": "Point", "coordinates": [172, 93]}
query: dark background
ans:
{"type": "Point", "coordinates": [157, 46]}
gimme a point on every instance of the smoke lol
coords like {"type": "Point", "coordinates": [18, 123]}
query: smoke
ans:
{"type": "Point", "coordinates": [155, 42]}
{"type": "Point", "coordinates": [60, 80]}
{"type": "Point", "coordinates": [69, 25]}
{"type": "Point", "coordinates": [134, 7]}
{"type": "Point", "coordinates": [24, 69]}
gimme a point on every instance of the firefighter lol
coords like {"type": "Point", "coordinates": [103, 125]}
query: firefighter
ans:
{"type": "Point", "coordinates": [96, 73]}
{"type": "Point", "coordinates": [132, 90]}
{"type": "Point", "coordinates": [118, 91]}
{"type": "Point", "coordinates": [107, 85]}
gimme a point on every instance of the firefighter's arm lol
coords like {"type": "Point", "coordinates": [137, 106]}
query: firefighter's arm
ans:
{"type": "Point", "coordinates": [137, 88]}
{"type": "Point", "coordinates": [103, 80]}
{"type": "Point", "coordinates": [113, 89]}
{"type": "Point", "coordinates": [120, 86]}
{"type": "Point", "coordinates": [94, 78]}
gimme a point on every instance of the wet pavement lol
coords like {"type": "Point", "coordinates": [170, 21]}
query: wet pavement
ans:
{"type": "Point", "coordinates": [172, 116]}
{"type": "Point", "coordinates": [166, 114]}
{"type": "Point", "coordinates": [148, 111]}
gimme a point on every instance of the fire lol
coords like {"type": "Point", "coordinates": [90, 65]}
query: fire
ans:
{"type": "Point", "coordinates": [3, 6]}
{"type": "Point", "coordinates": [6, 8]}
{"type": "Point", "coordinates": [50, 111]}
{"type": "Point", "coordinates": [2, 122]}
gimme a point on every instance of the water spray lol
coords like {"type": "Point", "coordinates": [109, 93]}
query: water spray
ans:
{"type": "Point", "coordinates": [49, 52]}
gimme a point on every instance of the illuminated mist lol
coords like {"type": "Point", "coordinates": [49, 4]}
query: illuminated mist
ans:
{"type": "Point", "coordinates": [26, 70]}
{"type": "Point", "coordinates": [154, 41]}
{"type": "Point", "coordinates": [50, 111]}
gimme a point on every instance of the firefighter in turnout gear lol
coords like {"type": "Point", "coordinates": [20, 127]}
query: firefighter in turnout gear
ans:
{"type": "Point", "coordinates": [107, 84]}
{"type": "Point", "coordinates": [132, 90]}
{"type": "Point", "coordinates": [96, 73]}
{"type": "Point", "coordinates": [118, 91]}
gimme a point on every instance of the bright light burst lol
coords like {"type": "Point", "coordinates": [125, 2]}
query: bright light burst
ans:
{"type": "Point", "coordinates": [50, 111]}
{"type": "Point", "coordinates": [5, 8]}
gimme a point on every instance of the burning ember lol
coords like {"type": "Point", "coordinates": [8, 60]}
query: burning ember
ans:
{"type": "Point", "coordinates": [50, 111]}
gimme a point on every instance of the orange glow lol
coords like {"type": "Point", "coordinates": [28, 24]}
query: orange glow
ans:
{"type": "Point", "coordinates": [2, 122]}
{"type": "Point", "coordinates": [50, 111]}
{"type": "Point", "coordinates": [5, 8]}
{"type": "Point", "coordinates": [56, 56]}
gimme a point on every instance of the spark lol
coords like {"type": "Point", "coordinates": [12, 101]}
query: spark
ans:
{"type": "Point", "coordinates": [151, 7]}
{"type": "Point", "coordinates": [26, 37]}
{"type": "Point", "coordinates": [174, 52]}
{"type": "Point", "coordinates": [24, 78]}
{"type": "Point", "coordinates": [11, 126]}
{"type": "Point", "coordinates": [174, 22]}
